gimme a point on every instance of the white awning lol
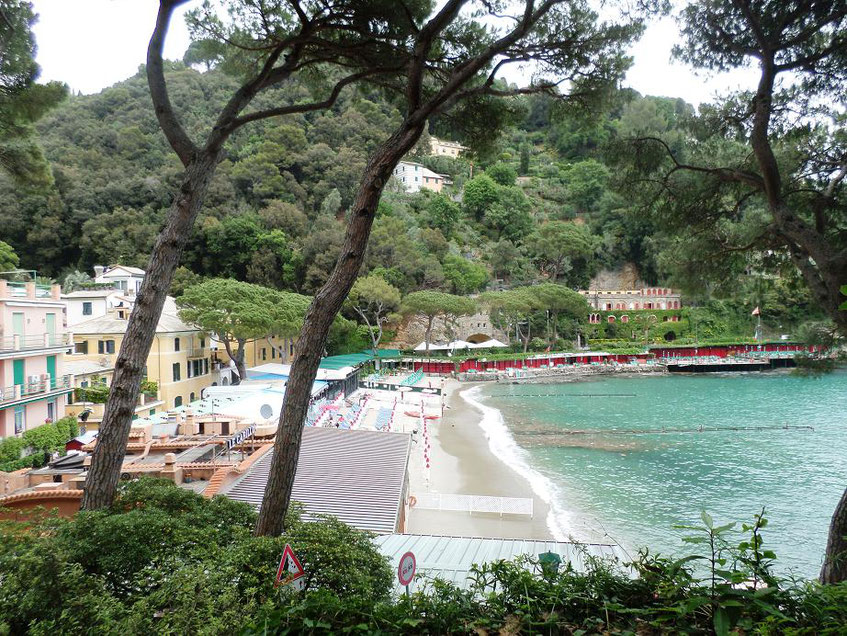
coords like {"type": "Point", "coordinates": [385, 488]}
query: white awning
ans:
{"type": "Point", "coordinates": [460, 344]}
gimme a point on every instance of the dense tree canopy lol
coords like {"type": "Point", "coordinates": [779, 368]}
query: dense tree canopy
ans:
{"type": "Point", "coordinates": [236, 313]}
{"type": "Point", "coordinates": [432, 305]}
{"type": "Point", "coordinates": [22, 101]}
{"type": "Point", "coordinates": [8, 259]}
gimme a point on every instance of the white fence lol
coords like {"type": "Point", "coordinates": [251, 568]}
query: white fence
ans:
{"type": "Point", "coordinates": [474, 503]}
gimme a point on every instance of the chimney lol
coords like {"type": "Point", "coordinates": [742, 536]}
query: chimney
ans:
{"type": "Point", "coordinates": [56, 291]}
{"type": "Point", "coordinates": [171, 470]}
{"type": "Point", "coordinates": [190, 427]}
{"type": "Point", "coordinates": [98, 270]}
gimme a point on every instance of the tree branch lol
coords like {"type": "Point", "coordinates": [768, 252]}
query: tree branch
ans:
{"type": "Point", "coordinates": [755, 26]}
{"type": "Point", "coordinates": [836, 180]}
{"type": "Point", "coordinates": [304, 108]}
{"type": "Point", "coordinates": [724, 174]}
{"type": "Point", "coordinates": [423, 42]}
{"type": "Point", "coordinates": [464, 72]}
{"type": "Point", "coordinates": [174, 132]}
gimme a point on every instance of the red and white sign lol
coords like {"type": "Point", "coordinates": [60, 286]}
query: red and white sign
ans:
{"type": "Point", "coordinates": [406, 569]}
{"type": "Point", "coordinates": [290, 571]}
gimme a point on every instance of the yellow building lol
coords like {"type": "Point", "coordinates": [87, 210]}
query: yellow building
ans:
{"type": "Point", "coordinates": [179, 361]}
{"type": "Point", "coordinates": [260, 351]}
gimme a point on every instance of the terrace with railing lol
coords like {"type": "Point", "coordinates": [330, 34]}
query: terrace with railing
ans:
{"type": "Point", "coordinates": [22, 283]}
{"type": "Point", "coordinates": [35, 386]}
{"type": "Point", "coordinates": [196, 351]}
{"type": "Point", "coordinates": [18, 342]}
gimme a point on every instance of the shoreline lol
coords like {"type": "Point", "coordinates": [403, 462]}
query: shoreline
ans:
{"type": "Point", "coordinates": [561, 523]}
{"type": "Point", "coordinates": [473, 452]}
{"type": "Point", "coordinates": [463, 463]}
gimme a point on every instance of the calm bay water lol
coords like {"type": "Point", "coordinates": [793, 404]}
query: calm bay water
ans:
{"type": "Point", "coordinates": [636, 487]}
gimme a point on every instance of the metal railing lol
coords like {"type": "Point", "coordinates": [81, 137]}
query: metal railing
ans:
{"type": "Point", "coordinates": [18, 289]}
{"type": "Point", "coordinates": [33, 386]}
{"type": "Point", "coordinates": [36, 341]}
{"type": "Point", "coordinates": [475, 503]}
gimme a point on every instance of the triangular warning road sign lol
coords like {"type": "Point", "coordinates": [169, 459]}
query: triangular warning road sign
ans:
{"type": "Point", "coordinates": [290, 571]}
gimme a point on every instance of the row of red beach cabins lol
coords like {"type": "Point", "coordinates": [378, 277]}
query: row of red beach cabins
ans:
{"type": "Point", "coordinates": [445, 367]}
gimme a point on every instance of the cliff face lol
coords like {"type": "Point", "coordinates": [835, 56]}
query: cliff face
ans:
{"type": "Point", "coordinates": [627, 277]}
{"type": "Point", "coordinates": [474, 328]}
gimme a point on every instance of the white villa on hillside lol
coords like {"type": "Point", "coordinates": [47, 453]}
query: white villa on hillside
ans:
{"type": "Point", "coordinates": [121, 277]}
{"type": "Point", "coordinates": [414, 176]}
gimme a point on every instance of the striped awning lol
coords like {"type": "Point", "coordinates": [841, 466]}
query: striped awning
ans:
{"type": "Point", "coordinates": [357, 476]}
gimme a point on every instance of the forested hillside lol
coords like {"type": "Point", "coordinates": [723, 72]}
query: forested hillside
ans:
{"type": "Point", "coordinates": [542, 203]}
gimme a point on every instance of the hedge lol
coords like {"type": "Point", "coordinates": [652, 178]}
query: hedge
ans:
{"type": "Point", "coordinates": [38, 443]}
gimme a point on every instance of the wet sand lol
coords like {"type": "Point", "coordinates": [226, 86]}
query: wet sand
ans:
{"type": "Point", "coordinates": [462, 463]}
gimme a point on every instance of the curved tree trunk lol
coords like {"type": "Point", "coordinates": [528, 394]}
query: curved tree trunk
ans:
{"type": "Point", "coordinates": [834, 568]}
{"type": "Point", "coordinates": [313, 335]}
{"type": "Point", "coordinates": [555, 327]}
{"type": "Point", "coordinates": [526, 337]}
{"type": "Point", "coordinates": [236, 356]}
{"type": "Point", "coordinates": [102, 480]}
{"type": "Point", "coordinates": [821, 266]}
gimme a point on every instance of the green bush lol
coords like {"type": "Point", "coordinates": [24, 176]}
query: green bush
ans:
{"type": "Point", "coordinates": [149, 388]}
{"type": "Point", "coordinates": [163, 559]}
{"type": "Point", "coordinates": [34, 460]}
{"type": "Point", "coordinates": [97, 394]}
{"type": "Point", "coordinates": [11, 448]}
{"type": "Point", "coordinates": [166, 560]}
{"type": "Point", "coordinates": [38, 443]}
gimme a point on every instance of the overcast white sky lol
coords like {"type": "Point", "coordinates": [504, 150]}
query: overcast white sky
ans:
{"type": "Point", "coordinates": [91, 44]}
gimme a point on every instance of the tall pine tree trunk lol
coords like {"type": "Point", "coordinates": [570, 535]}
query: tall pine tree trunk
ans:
{"type": "Point", "coordinates": [102, 480]}
{"type": "Point", "coordinates": [834, 568]}
{"type": "Point", "coordinates": [313, 335]}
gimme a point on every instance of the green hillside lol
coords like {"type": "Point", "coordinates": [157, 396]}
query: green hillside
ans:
{"type": "Point", "coordinates": [541, 201]}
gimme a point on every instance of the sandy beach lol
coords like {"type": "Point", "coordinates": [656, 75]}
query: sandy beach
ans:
{"type": "Point", "coordinates": [462, 463]}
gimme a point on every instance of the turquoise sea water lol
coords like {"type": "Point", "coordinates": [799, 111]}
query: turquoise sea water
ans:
{"type": "Point", "coordinates": [636, 487]}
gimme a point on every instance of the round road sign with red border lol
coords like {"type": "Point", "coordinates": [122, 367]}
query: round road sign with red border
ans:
{"type": "Point", "coordinates": [406, 569]}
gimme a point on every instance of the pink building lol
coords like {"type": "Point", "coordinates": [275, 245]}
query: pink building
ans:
{"type": "Point", "coordinates": [633, 299]}
{"type": "Point", "coordinates": [33, 387]}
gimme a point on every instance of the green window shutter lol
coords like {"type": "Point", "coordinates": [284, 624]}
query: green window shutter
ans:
{"type": "Point", "coordinates": [18, 371]}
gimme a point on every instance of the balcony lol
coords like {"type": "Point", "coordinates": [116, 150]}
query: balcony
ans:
{"type": "Point", "coordinates": [35, 386]}
{"type": "Point", "coordinates": [27, 289]}
{"type": "Point", "coordinates": [38, 341]}
{"type": "Point", "coordinates": [197, 352]}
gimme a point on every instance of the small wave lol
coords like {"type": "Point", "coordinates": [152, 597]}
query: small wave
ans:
{"type": "Point", "coordinates": [560, 521]}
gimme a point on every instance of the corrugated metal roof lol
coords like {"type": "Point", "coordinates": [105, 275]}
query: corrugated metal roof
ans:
{"type": "Point", "coordinates": [357, 476]}
{"type": "Point", "coordinates": [346, 360]}
{"type": "Point", "coordinates": [451, 558]}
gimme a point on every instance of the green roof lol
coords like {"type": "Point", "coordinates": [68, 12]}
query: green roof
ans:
{"type": "Point", "coordinates": [347, 360]}
{"type": "Point", "coordinates": [353, 359]}
{"type": "Point", "coordinates": [386, 353]}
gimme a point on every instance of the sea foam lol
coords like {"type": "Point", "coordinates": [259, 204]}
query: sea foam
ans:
{"type": "Point", "coordinates": [560, 521]}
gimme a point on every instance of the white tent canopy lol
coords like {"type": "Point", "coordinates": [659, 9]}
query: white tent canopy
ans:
{"type": "Point", "coordinates": [460, 344]}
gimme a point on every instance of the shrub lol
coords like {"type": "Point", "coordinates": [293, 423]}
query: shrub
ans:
{"type": "Point", "coordinates": [166, 560]}
{"type": "Point", "coordinates": [38, 443]}
{"type": "Point", "coordinates": [97, 394]}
